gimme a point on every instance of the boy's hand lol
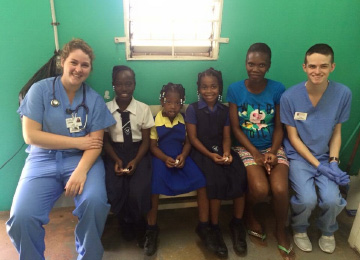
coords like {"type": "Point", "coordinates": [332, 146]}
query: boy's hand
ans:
{"type": "Point", "coordinates": [344, 177]}
{"type": "Point", "coordinates": [328, 172]}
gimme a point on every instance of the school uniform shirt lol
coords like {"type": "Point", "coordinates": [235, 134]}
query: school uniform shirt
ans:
{"type": "Point", "coordinates": [171, 137]}
{"type": "Point", "coordinates": [140, 118]}
{"type": "Point", "coordinates": [223, 182]}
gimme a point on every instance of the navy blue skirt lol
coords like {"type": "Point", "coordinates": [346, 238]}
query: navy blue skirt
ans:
{"type": "Point", "coordinates": [129, 196]}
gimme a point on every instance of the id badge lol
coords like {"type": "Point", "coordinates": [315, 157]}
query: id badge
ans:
{"type": "Point", "coordinates": [69, 122]}
{"type": "Point", "coordinates": [300, 116]}
{"type": "Point", "coordinates": [77, 121]}
{"type": "Point", "coordinates": [74, 124]}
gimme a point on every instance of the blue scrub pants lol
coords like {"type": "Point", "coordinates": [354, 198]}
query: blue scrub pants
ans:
{"type": "Point", "coordinates": [42, 182]}
{"type": "Point", "coordinates": [303, 180]}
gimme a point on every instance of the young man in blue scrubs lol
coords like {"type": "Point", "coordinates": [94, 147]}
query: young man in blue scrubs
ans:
{"type": "Point", "coordinates": [313, 112]}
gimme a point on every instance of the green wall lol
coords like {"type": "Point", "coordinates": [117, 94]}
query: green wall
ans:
{"type": "Point", "coordinates": [289, 27]}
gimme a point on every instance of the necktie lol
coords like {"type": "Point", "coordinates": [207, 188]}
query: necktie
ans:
{"type": "Point", "coordinates": [126, 128]}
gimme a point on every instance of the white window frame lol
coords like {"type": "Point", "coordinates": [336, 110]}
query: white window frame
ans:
{"type": "Point", "coordinates": [172, 50]}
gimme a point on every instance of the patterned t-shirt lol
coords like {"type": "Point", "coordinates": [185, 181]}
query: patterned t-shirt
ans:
{"type": "Point", "coordinates": [256, 112]}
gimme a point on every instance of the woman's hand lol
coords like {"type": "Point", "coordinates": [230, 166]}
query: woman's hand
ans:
{"type": "Point", "coordinates": [88, 142]}
{"type": "Point", "coordinates": [75, 184]}
{"type": "Point", "coordinates": [259, 158]}
{"type": "Point", "coordinates": [270, 161]}
{"type": "Point", "coordinates": [180, 161]}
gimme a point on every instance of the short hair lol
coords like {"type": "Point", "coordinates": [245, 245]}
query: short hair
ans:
{"type": "Point", "coordinates": [259, 47]}
{"type": "Point", "coordinates": [171, 87]}
{"type": "Point", "coordinates": [118, 68]}
{"type": "Point", "coordinates": [321, 48]}
{"type": "Point", "coordinates": [211, 72]}
{"type": "Point", "coordinates": [76, 44]}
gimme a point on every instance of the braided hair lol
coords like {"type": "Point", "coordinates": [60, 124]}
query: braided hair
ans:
{"type": "Point", "coordinates": [171, 87]}
{"type": "Point", "coordinates": [211, 72]}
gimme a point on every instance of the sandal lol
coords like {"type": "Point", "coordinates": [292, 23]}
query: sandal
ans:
{"type": "Point", "coordinates": [290, 254]}
{"type": "Point", "coordinates": [256, 234]}
{"type": "Point", "coordinates": [257, 238]}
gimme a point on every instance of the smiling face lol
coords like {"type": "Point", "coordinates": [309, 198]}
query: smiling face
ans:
{"type": "Point", "coordinates": [257, 64]}
{"type": "Point", "coordinates": [171, 104]}
{"type": "Point", "coordinates": [318, 68]}
{"type": "Point", "coordinates": [124, 86]}
{"type": "Point", "coordinates": [209, 89]}
{"type": "Point", "coordinates": [76, 69]}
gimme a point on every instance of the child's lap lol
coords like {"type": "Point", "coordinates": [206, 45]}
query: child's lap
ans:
{"type": "Point", "coordinates": [222, 182]}
{"type": "Point", "coordinates": [248, 159]}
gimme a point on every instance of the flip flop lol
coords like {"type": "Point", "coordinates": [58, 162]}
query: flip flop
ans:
{"type": "Point", "coordinates": [256, 234]}
{"type": "Point", "coordinates": [287, 252]}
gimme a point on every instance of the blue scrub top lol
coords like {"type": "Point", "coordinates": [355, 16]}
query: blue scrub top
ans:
{"type": "Point", "coordinates": [316, 130]}
{"type": "Point", "coordinates": [36, 106]}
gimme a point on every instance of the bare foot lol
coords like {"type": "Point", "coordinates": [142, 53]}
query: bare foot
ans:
{"type": "Point", "coordinates": [284, 244]}
{"type": "Point", "coordinates": [256, 233]}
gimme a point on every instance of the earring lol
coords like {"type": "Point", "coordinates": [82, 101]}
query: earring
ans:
{"type": "Point", "coordinates": [198, 95]}
{"type": "Point", "coordinates": [220, 98]}
{"type": "Point", "coordinates": [113, 88]}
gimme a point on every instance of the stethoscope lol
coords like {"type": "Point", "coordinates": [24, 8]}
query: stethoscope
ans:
{"type": "Point", "coordinates": [55, 103]}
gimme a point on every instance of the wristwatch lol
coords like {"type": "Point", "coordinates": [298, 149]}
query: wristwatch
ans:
{"type": "Point", "coordinates": [332, 159]}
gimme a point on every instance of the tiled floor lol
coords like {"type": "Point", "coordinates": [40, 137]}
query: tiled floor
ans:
{"type": "Point", "coordinates": [177, 240]}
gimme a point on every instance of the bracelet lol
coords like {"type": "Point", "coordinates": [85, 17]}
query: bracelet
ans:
{"type": "Point", "coordinates": [332, 159]}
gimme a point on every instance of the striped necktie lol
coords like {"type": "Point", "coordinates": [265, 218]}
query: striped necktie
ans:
{"type": "Point", "coordinates": [126, 128]}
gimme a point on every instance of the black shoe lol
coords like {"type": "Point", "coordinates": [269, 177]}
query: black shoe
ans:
{"type": "Point", "coordinates": [207, 236]}
{"type": "Point", "coordinates": [150, 245]}
{"type": "Point", "coordinates": [238, 236]}
{"type": "Point", "coordinates": [140, 230]}
{"type": "Point", "coordinates": [202, 231]}
{"type": "Point", "coordinates": [221, 250]}
{"type": "Point", "coordinates": [127, 231]}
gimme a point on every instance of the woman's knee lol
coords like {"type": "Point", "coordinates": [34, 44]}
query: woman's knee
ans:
{"type": "Point", "coordinates": [91, 202]}
{"type": "Point", "coordinates": [258, 191]}
{"type": "Point", "coordinates": [22, 221]}
{"type": "Point", "coordinates": [280, 190]}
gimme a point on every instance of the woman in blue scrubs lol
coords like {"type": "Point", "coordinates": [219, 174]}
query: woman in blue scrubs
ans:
{"type": "Point", "coordinates": [63, 122]}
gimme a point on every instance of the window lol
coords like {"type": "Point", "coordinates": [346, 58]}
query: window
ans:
{"type": "Point", "coordinates": [172, 29]}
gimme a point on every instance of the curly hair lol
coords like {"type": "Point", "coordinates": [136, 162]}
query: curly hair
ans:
{"type": "Point", "coordinates": [75, 44]}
